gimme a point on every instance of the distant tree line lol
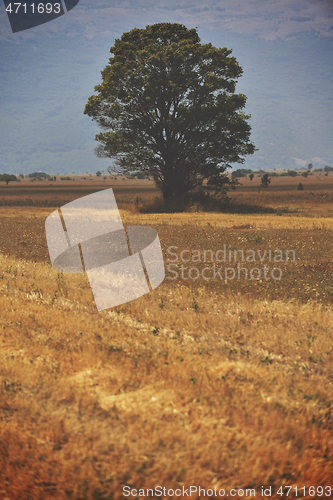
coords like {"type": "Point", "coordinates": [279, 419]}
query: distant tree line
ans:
{"type": "Point", "coordinates": [38, 175]}
{"type": "Point", "coordinates": [241, 172]}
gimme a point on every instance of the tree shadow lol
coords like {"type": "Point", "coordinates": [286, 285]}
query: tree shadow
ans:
{"type": "Point", "coordinates": [200, 202]}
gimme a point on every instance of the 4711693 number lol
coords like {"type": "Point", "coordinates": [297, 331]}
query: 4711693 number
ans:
{"type": "Point", "coordinates": [38, 8]}
{"type": "Point", "coordinates": [312, 491]}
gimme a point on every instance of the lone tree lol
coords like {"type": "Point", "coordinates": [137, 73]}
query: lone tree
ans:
{"type": "Point", "coordinates": [168, 108]}
{"type": "Point", "coordinates": [8, 178]}
{"type": "Point", "coordinates": [265, 181]}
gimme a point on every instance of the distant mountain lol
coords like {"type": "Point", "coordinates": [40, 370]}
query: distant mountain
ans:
{"type": "Point", "coordinates": [46, 78]}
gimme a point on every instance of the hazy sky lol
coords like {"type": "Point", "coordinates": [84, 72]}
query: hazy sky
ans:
{"type": "Point", "coordinates": [268, 19]}
{"type": "Point", "coordinates": [285, 47]}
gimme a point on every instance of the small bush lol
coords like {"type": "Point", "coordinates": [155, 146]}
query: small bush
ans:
{"type": "Point", "coordinates": [240, 172]}
{"type": "Point", "coordinates": [300, 187]}
{"type": "Point", "coordinates": [67, 178]}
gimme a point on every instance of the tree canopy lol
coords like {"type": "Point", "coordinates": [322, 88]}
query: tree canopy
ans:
{"type": "Point", "coordinates": [168, 108]}
{"type": "Point", "coordinates": [7, 178]}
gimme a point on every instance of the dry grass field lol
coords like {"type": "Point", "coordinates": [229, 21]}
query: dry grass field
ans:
{"type": "Point", "coordinates": [219, 382]}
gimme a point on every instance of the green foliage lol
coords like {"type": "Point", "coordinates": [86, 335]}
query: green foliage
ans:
{"type": "Point", "coordinates": [266, 361]}
{"type": "Point", "coordinates": [290, 173]}
{"type": "Point", "coordinates": [98, 173]}
{"type": "Point", "coordinates": [265, 181]}
{"type": "Point", "coordinates": [38, 175]}
{"type": "Point", "coordinates": [251, 175]}
{"type": "Point", "coordinates": [8, 177]}
{"type": "Point", "coordinates": [240, 172]}
{"type": "Point", "coordinates": [168, 108]}
{"type": "Point", "coordinates": [66, 178]}
{"type": "Point", "coordinates": [305, 174]}
{"type": "Point", "coordinates": [300, 187]}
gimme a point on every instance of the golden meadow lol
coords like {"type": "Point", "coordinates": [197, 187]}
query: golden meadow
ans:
{"type": "Point", "coordinates": [201, 382]}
